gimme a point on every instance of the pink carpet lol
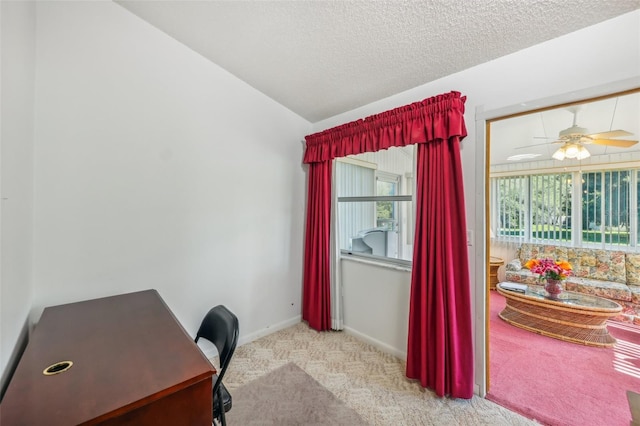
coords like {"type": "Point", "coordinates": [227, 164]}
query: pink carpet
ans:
{"type": "Point", "coordinates": [560, 383]}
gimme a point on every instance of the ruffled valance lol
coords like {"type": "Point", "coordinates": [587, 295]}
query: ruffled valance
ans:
{"type": "Point", "coordinates": [438, 117]}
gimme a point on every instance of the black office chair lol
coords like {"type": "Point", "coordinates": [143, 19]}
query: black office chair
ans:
{"type": "Point", "coordinates": [220, 327]}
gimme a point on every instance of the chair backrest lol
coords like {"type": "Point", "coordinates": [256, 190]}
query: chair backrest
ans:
{"type": "Point", "coordinates": [220, 327]}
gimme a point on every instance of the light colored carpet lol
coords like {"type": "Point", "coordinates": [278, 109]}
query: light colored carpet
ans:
{"type": "Point", "coordinates": [365, 379]}
{"type": "Point", "coordinates": [289, 396]}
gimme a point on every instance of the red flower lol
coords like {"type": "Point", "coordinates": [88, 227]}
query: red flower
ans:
{"type": "Point", "coordinates": [549, 268]}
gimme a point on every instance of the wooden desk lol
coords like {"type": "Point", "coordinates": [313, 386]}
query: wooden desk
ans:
{"type": "Point", "coordinates": [133, 363]}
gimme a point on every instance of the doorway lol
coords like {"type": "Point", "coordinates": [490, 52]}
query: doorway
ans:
{"type": "Point", "coordinates": [524, 144]}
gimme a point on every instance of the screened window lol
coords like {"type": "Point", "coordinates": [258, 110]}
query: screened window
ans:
{"type": "Point", "coordinates": [594, 208]}
{"type": "Point", "coordinates": [374, 209]}
{"type": "Point", "coordinates": [387, 185]}
{"type": "Point", "coordinates": [606, 212]}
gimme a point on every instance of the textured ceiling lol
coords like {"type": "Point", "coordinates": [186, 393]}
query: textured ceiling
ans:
{"type": "Point", "coordinates": [322, 58]}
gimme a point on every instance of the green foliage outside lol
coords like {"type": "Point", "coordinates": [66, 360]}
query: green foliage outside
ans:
{"type": "Point", "coordinates": [559, 234]}
{"type": "Point", "coordinates": [385, 209]}
{"type": "Point", "coordinates": [547, 201]}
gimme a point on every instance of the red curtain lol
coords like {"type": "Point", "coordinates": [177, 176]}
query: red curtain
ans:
{"type": "Point", "coordinates": [440, 351]}
{"type": "Point", "coordinates": [439, 117]}
{"type": "Point", "coordinates": [316, 298]}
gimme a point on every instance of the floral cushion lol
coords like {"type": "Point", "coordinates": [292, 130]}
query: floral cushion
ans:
{"type": "Point", "coordinates": [605, 265]}
{"type": "Point", "coordinates": [633, 268]}
{"type": "Point", "coordinates": [530, 251]}
{"type": "Point", "coordinates": [514, 265]}
{"type": "Point", "coordinates": [630, 312]}
{"type": "Point", "coordinates": [607, 289]}
{"type": "Point", "coordinates": [523, 276]}
{"type": "Point", "coordinates": [635, 294]}
{"type": "Point", "coordinates": [614, 275]}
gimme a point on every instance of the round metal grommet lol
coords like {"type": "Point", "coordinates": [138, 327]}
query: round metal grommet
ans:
{"type": "Point", "coordinates": [58, 367]}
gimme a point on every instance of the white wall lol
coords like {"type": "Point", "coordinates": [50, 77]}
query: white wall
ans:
{"type": "Point", "coordinates": [155, 168]}
{"type": "Point", "coordinates": [16, 176]}
{"type": "Point", "coordinates": [595, 56]}
{"type": "Point", "coordinates": [376, 304]}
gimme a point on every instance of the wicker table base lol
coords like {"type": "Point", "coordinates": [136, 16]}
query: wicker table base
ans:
{"type": "Point", "coordinates": [576, 317]}
{"type": "Point", "coordinates": [494, 264]}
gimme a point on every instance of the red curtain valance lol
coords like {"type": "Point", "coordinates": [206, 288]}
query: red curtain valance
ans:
{"type": "Point", "coordinates": [439, 117]}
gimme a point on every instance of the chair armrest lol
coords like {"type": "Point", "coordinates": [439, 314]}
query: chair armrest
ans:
{"type": "Point", "coordinates": [514, 265]}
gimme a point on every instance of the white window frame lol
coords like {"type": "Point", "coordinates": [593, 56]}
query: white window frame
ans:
{"type": "Point", "coordinates": [576, 209]}
{"type": "Point", "coordinates": [385, 177]}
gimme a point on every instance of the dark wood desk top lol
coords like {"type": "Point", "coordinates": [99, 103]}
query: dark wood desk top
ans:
{"type": "Point", "coordinates": [127, 351]}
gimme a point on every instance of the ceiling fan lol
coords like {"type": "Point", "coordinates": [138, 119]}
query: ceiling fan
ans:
{"type": "Point", "coordinates": [575, 138]}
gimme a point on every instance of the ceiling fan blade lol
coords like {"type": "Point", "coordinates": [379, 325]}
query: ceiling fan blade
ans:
{"type": "Point", "coordinates": [531, 146]}
{"type": "Point", "coordinates": [537, 144]}
{"type": "Point", "coordinates": [620, 143]}
{"type": "Point", "coordinates": [611, 134]}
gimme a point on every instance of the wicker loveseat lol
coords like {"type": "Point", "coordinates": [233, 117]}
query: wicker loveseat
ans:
{"type": "Point", "coordinates": [611, 274]}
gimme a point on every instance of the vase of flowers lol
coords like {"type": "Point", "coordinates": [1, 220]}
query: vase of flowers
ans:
{"type": "Point", "coordinates": [553, 287]}
{"type": "Point", "coordinates": [551, 272]}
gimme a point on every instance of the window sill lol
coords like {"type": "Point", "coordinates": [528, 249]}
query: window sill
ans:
{"type": "Point", "coordinates": [376, 262]}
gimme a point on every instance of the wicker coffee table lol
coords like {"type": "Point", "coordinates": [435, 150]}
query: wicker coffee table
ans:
{"type": "Point", "coordinates": [573, 317]}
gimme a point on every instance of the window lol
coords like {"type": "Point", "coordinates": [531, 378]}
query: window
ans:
{"type": "Point", "coordinates": [606, 207]}
{"type": "Point", "coordinates": [536, 206]}
{"type": "Point", "coordinates": [387, 185]}
{"type": "Point", "coordinates": [591, 208]}
{"type": "Point", "coordinates": [374, 209]}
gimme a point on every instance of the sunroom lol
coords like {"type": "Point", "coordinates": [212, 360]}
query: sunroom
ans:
{"type": "Point", "coordinates": [564, 183]}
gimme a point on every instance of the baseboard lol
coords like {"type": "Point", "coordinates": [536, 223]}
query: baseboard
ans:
{"type": "Point", "coordinates": [14, 358]}
{"type": "Point", "coordinates": [376, 343]}
{"type": "Point", "coordinates": [248, 338]}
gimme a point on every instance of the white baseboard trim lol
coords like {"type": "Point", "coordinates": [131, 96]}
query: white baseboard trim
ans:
{"type": "Point", "coordinates": [211, 353]}
{"type": "Point", "coordinates": [377, 343]}
{"type": "Point", "coordinates": [270, 329]}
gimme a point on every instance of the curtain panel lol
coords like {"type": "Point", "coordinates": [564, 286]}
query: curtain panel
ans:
{"type": "Point", "coordinates": [439, 347]}
{"type": "Point", "coordinates": [316, 294]}
{"type": "Point", "coordinates": [440, 350]}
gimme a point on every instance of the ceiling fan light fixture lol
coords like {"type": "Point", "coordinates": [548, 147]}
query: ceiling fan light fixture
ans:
{"type": "Point", "coordinates": [582, 153]}
{"type": "Point", "coordinates": [576, 151]}
{"type": "Point", "coordinates": [571, 150]}
{"type": "Point", "coordinates": [559, 154]}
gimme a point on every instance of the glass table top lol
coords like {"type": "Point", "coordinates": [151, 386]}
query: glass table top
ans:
{"type": "Point", "coordinates": [566, 297]}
